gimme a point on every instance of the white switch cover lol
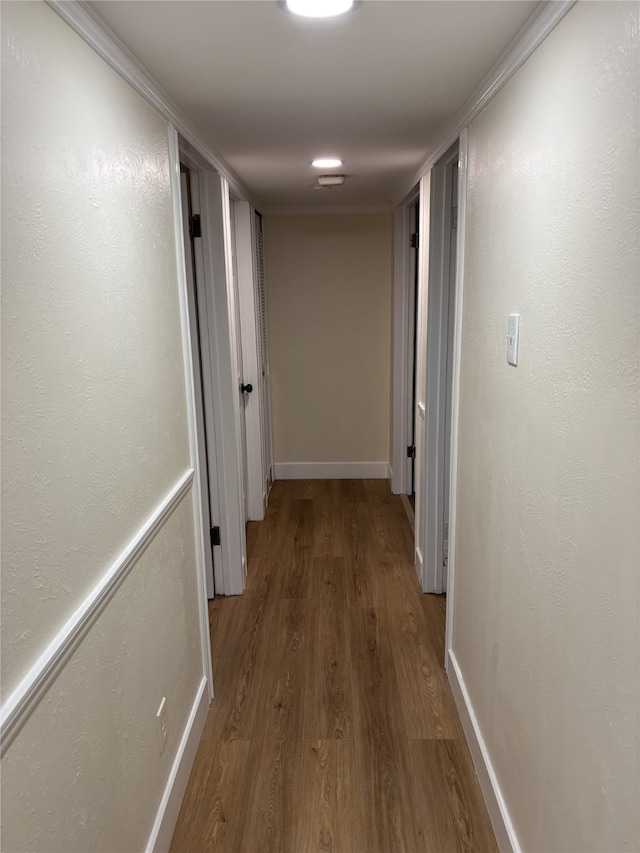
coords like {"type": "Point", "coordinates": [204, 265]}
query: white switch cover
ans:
{"type": "Point", "coordinates": [513, 333]}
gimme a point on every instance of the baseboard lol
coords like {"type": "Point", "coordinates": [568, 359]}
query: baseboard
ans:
{"type": "Point", "coordinates": [389, 473]}
{"type": "Point", "coordinates": [500, 819]}
{"type": "Point", "coordinates": [165, 822]}
{"type": "Point", "coordinates": [406, 503]}
{"type": "Point", "coordinates": [331, 470]}
{"type": "Point", "coordinates": [418, 561]}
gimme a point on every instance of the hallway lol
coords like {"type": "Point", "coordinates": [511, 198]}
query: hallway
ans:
{"type": "Point", "coordinates": [333, 726]}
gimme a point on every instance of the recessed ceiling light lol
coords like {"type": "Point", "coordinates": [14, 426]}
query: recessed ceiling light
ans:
{"type": "Point", "coordinates": [327, 163]}
{"type": "Point", "coordinates": [319, 8]}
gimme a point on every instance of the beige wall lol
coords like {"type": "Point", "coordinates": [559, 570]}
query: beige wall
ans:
{"type": "Point", "coordinates": [329, 290]}
{"type": "Point", "coordinates": [546, 587]}
{"type": "Point", "coordinates": [94, 436]}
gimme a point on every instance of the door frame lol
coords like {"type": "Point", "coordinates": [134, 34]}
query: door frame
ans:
{"type": "Point", "coordinates": [193, 424]}
{"type": "Point", "coordinates": [463, 154]}
{"type": "Point", "coordinates": [404, 320]}
{"type": "Point", "coordinates": [437, 393]}
{"type": "Point", "coordinates": [217, 322]}
{"type": "Point", "coordinates": [200, 359]}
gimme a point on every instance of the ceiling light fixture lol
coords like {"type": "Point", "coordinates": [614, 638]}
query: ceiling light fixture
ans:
{"type": "Point", "coordinates": [319, 8]}
{"type": "Point", "coordinates": [326, 163]}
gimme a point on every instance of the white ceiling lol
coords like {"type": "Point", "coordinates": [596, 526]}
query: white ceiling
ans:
{"type": "Point", "coordinates": [268, 91]}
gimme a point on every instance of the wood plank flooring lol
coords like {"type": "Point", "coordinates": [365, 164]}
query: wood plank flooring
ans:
{"type": "Point", "coordinates": [333, 728]}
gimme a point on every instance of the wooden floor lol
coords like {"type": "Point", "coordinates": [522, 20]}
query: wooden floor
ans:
{"type": "Point", "coordinates": [333, 727]}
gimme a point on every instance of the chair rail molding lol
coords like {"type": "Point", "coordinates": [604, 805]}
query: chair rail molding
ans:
{"type": "Point", "coordinates": [35, 683]}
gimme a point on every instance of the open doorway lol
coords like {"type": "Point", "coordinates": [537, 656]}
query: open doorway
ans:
{"type": "Point", "coordinates": [221, 271]}
{"type": "Point", "coordinates": [414, 246]}
{"type": "Point", "coordinates": [405, 326]}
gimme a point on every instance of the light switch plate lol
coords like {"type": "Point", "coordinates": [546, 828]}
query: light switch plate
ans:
{"type": "Point", "coordinates": [513, 334]}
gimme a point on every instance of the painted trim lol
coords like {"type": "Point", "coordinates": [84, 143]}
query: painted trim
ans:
{"type": "Point", "coordinates": [463, 156]}
{"type": "Point", "coordinates": [389, 472]}
{"type": "Point", "coordinates": [523, 45]}
{"type": "Point", "coordinates": [439, 289]}
{"type": "Point", "coordinates": [496, 806]}
{"type": "Point", "coordinates": [331, 470]}
{"type": "Point", "coordinates": [400, 332]}
{"type": "Point", "coordinates": [96, 33]}
{"type": "Point", "coordinates": [422, 411]}
{"type": "Point", "coordinates": [330, 210]}
{"type": "Point", "coordinates": [22, 702]}
{"type": "Point", "coordinates": [409, 510]}
{"type": "Point", "coordinates": [197, 332]}
{"type": "Point", "coordinates": [167, 816]}
{"type": "Point", "coordinates": [199, 526]}
{"type": "Point", "coordinates": [104, 41]}
{"type": "Point", "coordinates": [418, 558]}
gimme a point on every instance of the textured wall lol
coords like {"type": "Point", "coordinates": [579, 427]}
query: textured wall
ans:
{"type": "Point", "coordinates": [329, 288]}
{"type": "Point", "coordinates": [94, 435]}
{"type": "Point", "coordinates": [93, 402]}
{"type": "Point", "coordinates": [85, 773]}
{"type": "Point", "coordinates": [546, 610]}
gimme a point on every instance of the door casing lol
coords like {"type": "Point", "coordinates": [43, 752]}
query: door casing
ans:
{"type": "Point", "coordinates": [404, 325]}
{"type": "Point", "coordinates": [437, 353]}
{"type": "Point", "coordinates": [199, 358]}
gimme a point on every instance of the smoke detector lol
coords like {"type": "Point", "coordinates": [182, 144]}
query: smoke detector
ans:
{"type": "Point", "coordinates": [331, 181]}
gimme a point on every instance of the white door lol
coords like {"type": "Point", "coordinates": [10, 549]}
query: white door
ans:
{"type": "Point", "coordinates": [252, 309]}
{"type": "Point", "coordinates": [244, 389]}
{"type": "Point", "coordinates": [263, 358]}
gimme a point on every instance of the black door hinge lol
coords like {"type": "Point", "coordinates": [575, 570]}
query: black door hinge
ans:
{"type": "Point", "coordinates": [195, 229]}
{"type": "Point", "coordinates": [413, 241]}
{"type": "Point", "coordinates": [411, 452]}
{"type": "Point", "coordinates": [215, 536]}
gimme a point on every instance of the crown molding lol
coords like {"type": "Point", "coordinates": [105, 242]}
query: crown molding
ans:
{"type": "Point", "coordinates": [522, 46]}
{"type": "Point", "coordinates": [97, 34]}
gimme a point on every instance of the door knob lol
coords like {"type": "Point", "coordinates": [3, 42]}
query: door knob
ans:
{"type": "Point", "coordinates": [246, 389]}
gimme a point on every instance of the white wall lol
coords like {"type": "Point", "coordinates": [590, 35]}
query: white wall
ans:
{"type": "Point", "coordinates": [94, 437]}
{"type": "Point", "coordinates": [546, 586]}
{"type": "Point", "coordinates": [329, 295]}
